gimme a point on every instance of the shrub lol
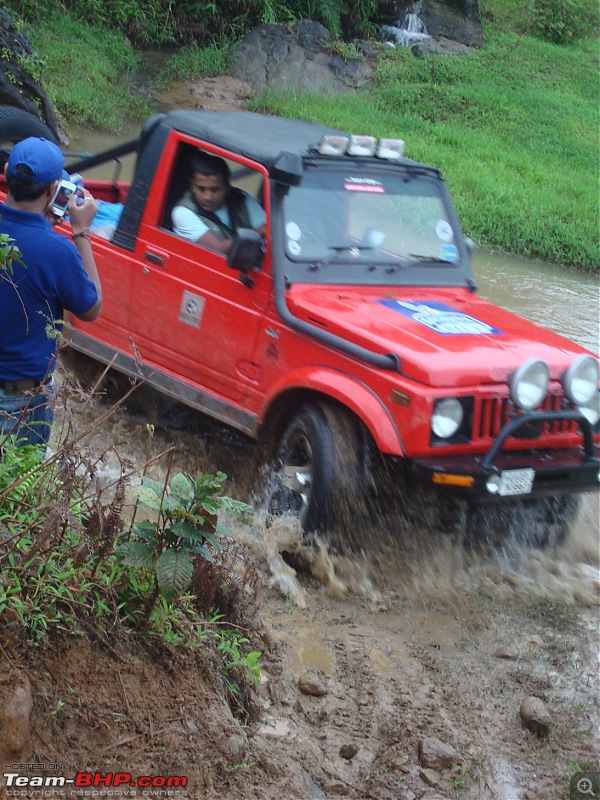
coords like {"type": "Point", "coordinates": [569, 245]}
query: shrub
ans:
{"type": "Point", "coordinates": [560, 21]}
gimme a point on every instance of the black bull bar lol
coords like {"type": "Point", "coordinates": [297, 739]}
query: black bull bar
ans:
{"type": "Point", "coordinates": [558, 470]}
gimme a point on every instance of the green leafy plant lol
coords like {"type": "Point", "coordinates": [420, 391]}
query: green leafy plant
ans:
{"type": "Point", "coordinates": [560, 21]}
{"type": "Point", "coordinates": [9, 253]}
{"type": "Point", "coordinates": [186, 527]}
{"type": "Point", "coordinates": [229, 644]}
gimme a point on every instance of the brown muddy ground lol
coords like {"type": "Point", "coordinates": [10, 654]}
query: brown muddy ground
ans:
{"type": "Point", "coordinates": [394, 673]}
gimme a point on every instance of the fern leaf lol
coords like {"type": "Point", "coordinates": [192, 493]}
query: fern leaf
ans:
{"type": "Point", "coordinates": [174, 571]}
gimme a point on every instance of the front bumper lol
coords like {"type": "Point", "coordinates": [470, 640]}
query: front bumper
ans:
{"type": "Point", "coordinates": [501, 476]}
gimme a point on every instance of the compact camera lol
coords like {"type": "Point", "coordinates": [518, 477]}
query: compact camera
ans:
{"type": "Point", "coordinates": [64, 191]}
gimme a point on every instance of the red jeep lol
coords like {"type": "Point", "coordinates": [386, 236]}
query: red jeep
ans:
{"type": "Point", "coordinates": [351, 338]}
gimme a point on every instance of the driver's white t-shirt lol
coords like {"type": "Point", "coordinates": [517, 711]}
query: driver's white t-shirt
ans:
{"type": "Point", "coordinates": [190, 226]}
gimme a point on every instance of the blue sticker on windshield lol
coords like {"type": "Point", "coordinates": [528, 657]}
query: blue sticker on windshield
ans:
{"type": "Point", "coordinates": [450, 252]}
{"type": "Point", "coordinates": [442, 318]}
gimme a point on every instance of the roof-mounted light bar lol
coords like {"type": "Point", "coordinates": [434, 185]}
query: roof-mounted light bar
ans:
{"type": "Point", "coordinates": [392, 149]}
{"type": "Point", "coordinates": [337, 145]}
{"type": "Point", "coordinates": [362, 146]}
{"type": "Point", "coordinates": [333, 145]}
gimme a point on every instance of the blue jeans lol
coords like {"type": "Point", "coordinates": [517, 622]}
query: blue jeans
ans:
{"type": "Point", "coordinates": [27, 416]}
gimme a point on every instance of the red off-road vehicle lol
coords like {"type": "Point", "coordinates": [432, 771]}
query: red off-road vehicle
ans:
{"type": "Point", "coordinates": [351, 338]}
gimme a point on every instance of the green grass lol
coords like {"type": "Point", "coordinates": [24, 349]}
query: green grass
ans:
{"type": "Point", "coordinates": [193, 63]}
{"type": "Point", "coordinates": [513, 127]}
{"type": "Point", "coordinates": [86, 73]}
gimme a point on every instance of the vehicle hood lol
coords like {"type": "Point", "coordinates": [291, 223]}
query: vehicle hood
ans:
{"type": "Point", "coordinates": [443, 337]}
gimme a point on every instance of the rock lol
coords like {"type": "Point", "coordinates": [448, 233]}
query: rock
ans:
{"type": "Point", "coordinates": [348, 751]}
{"type": "Point", "coordinates": [436, 754]}
{"type": "Point", "coordinates": [15, 728]}
{"type": "Point", "coordinates": [430, 776]}
{"type": "Point", "coordinates": [277, 728]}
{"type": "Point", "coordinates": [459, 20]}
{"type": "Point", "coordinates": [312, 683]}
{"type": "Point", "coordinates": [300, 59]}
{"type": "Point", "coordinates": [191, 726]}
{"type": "Point", "coordinates": [439, 45]}
{"type": "Point", "coordinates": [535, 715]}
{"type": "Point", "coordinates": [237, 746]}
{"type": "Point", "coordinates": [508, 652]}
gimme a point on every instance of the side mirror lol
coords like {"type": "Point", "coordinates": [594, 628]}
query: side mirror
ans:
{"type": "Point", "coordinates": [246, 254]}
{"type": "Point", "coordinates": [471, 246]}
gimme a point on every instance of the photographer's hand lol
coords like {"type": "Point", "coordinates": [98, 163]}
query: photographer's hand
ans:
{"type": "Point", "coordinates": [82, 214]}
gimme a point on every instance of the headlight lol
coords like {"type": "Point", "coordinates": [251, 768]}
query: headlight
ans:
{"type": "Point", "coordinates": [591, 410]}
{"type": "Point", "coordinates": [580, 380]}
{"type": "Point", "coordinates": [447, 417]}
{"type": "Point", "coordinates": [529, 384]}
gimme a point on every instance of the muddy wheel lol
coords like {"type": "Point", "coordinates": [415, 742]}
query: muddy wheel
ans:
{"type": "Point", "coordinates": [540, 523]}
{"type": "Point", "coordinates": [318, 475]}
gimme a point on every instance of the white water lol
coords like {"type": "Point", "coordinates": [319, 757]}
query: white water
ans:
{"type": "Point", "coordinates": [407, 31]}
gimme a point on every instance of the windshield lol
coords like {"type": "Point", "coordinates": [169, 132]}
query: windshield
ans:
{"type": "Point", "coordinates": [368, 215]}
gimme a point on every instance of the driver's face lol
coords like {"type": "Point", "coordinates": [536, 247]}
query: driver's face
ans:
{"type": "Point", "coordinates": [209, 191]}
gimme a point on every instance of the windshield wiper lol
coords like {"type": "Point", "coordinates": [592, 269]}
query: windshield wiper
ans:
{"type": "Point", "coordinates": [342, 248]}
{"type": "Point", "coordinates": [418, 257]}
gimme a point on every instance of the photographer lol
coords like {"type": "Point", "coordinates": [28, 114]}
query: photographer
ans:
{"type": "Point", "coordinates": [51, 276]}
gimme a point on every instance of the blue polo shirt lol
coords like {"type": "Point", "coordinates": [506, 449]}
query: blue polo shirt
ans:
{"type": "Point", "coordinates": [49, 280]}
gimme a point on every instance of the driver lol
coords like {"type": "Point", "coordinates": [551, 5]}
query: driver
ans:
{"type": "Point", "coordinates": [212, 210]}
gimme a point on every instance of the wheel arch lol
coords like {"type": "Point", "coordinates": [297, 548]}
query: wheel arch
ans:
{"type": "Point", "coordinates": [326, 385]}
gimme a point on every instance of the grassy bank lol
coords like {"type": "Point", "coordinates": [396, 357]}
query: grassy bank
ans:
{"type": "Point", "coordinates": [86, 72]}
{"type": "Point", "coordinates": [513, 126]}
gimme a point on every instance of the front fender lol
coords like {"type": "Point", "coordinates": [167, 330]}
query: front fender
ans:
{"type": "Point", "coordinates": [346, 390]}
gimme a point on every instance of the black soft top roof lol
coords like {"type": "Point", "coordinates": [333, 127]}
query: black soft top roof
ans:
{"type": "Point", "coordinates": [259, 137]}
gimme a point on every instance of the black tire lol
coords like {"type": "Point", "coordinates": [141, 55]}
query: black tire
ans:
{"type": "Point", "coordinates": [15, 125]}
{"type": "Point", "coordinates": [542, 523]}
{"type": "Point", "coordinates": [318, 474]}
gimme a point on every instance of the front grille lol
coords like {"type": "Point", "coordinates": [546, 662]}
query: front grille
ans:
{"type": "Point", "coordinates": [494, 412]}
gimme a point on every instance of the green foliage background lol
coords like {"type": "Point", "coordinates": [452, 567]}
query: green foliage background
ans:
{"type": "Point", "coordinates": [513, 126]}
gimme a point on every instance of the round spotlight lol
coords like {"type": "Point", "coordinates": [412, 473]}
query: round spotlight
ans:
{"type": "Point", "coordinates": [580, 380]}
{"type": "Point", "coordinates": [529, 384]}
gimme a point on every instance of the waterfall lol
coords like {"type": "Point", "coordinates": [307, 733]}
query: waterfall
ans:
{"type": "Point", "coordinates": [408, 31]}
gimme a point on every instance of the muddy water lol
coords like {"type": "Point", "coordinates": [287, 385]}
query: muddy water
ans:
{"type": "Point", "coordinates": [566, 301]}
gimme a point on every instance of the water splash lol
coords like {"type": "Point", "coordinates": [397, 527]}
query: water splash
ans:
{"type": "Point", "coordinates": [408, 31]}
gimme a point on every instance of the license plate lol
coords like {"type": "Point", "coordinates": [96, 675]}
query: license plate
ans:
{"type": "Point", "coordinates": [516, 481]}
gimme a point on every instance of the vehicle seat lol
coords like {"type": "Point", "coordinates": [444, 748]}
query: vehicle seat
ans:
{"type": "Point", "coordinates": [180, 183]}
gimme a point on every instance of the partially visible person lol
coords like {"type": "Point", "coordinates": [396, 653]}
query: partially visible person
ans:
{"type": "Point", "coordinates": [212, 210]}
{"type": "Point", "coordinates": [52, 275]}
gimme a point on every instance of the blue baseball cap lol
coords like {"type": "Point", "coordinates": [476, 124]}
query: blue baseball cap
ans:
{"type": "Point", "coordinates": [41, 156]}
